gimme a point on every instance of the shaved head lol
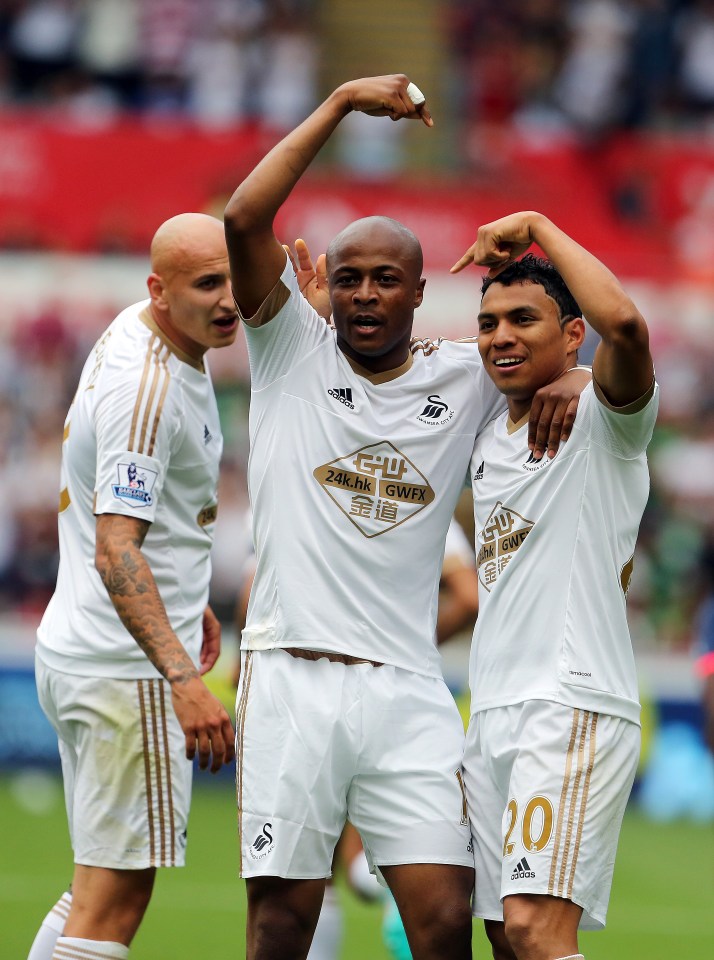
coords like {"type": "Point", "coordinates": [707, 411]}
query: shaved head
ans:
{"type": "Point", "coordinates": [189, 284]}
{"type": "Point", "coordinates": [184, 239]}
{"type": "Point", "coordinates": [377, 234]}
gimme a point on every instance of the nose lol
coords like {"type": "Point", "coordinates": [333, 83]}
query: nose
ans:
{"type": "Point", "coordinates": [227, 302]}
{"type": "Point", "coordinates": [503, 335]}
{"type": "Point", "coordinates": [365, 292]}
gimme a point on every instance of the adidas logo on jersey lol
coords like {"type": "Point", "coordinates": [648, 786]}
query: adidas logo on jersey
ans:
{"type": "Point", "coordinates": [522, 870]}
{"type": "Point", "coordinates": [207, 435]}
{"type": "Point", "coordinates": [344, 395]}
{"type": "Point", "coordinates": [479, 473]}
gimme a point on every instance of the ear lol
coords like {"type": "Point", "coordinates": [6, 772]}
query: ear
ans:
{"type": "Point", "coordinates": [575, 333]}
{"type": "Point", "coordinates": [419, 294]}
{"type": "Point", "coordinates": [157, 291]}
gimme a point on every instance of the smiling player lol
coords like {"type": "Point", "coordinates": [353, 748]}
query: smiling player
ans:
{"type": "Point", "coordinates": [553, 740]}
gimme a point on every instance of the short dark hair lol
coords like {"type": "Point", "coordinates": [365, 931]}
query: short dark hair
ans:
{"type": "Point", "coordinates": [532, 269]}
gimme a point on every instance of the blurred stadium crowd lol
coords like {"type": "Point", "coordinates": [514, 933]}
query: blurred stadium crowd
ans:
{"type": "Point", "coordinates": [589, 66]}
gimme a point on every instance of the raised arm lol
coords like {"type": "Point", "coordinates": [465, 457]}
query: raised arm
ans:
{"type": "Point", "coordinates": [622, 367]}
{"type": "Point", "coordinates": [257, 258]}
{"type": "Point", "coordinates": [133, 591]}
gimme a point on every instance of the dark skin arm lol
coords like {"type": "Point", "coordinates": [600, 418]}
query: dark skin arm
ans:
{"type": "Point", "coordinates": [458, 601]}
{"type": "Point", "coordinates": [135, 595]}
{"type": "Point", "coordinates": [256, 256]}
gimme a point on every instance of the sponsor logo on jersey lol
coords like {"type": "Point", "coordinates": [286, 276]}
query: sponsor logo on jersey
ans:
{"type": "Point", "coordinates": [522, 871]}
{"type": "Point", "coordinates": [436, 412]}
{"type": "Point", "coordinates": [207, 435]}
{"type": "Point", "coordinates": [263, 843]}
{"type": "Point", "coordinates": [135, 485]}
{"type": "Point", "coordinates": [344, 395]}
{"type": "Point", "coordinates": [479, 472]}
{"type": "Point", "coordinates": [501, 537]}
{"type": "Point", "coordinates": [377, 488]}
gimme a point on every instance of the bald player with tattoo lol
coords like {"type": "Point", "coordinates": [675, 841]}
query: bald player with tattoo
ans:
{"type": "Point", "coordinates": [128, 633]}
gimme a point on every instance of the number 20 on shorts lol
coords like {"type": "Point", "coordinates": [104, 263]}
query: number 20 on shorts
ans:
{"type": "Point", "coordinates": [536, 825]}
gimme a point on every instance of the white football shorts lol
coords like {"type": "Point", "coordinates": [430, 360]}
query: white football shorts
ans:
{"type": "Point", "coordinates": [318, 742]}
{"type": "Point", "coordinates": [547, 787]}
{"type": "Point", "coordinates": [127, 781]}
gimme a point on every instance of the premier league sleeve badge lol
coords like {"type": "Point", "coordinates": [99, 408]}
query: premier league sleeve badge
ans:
{"type": "Point", "coordinates": [135, 485]}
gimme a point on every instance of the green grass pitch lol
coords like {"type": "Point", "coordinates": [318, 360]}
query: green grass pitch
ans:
{"type": "Point", "coordinates": [662, 904]}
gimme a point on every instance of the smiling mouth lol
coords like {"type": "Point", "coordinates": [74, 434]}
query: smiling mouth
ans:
{"type": "Point", "coordinates": [508, 363]}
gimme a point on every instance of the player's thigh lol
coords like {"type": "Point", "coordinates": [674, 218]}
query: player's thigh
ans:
{"type": "Point", "coordinates": [486, 786]}
{"type": "Point", "coordinates": [568, 785]}
{"type": "Point", "coordinates": [127, 780]}
{"type": "Point", "coordinates": [296, 730]}
{"type": "Point", "coordinates": [407, 799]}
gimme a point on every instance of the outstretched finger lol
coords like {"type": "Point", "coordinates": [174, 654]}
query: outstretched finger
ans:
{"type": "Point", "coordinates": [426, 117]}
{"type": "Point", "coordinates": [468, 257]}
{"type": "Point", "coordinates": [303, 255]}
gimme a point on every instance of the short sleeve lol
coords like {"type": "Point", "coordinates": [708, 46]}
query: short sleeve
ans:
{"type": "Point", "coordinates": [624, 431]}
{"type": "Point", "coordinates": [291, 334]}
{"type": "Point", "coordinates": [137, 425]}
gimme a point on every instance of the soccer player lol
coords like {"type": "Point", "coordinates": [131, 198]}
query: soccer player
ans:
{"type": "Point", "coordinates": [359, 448]}
{"type": "Point", "coordinates": [128, 633]}
{"type": "Point", "coordinates": [553, 739]}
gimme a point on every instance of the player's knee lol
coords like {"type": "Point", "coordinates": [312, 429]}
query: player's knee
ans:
{"type": "Point", "coordinates": [443, 925]}
{"type": "Point", "coordinates": [281, 917]}
{"type": "Point", "coordinates": [496, 933]}
{"type": "Point", "coordinates": [279, 931]}
{"type": "Point", "coordinates": [524, 925]}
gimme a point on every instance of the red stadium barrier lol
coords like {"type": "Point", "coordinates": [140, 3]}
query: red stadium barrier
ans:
{"type": "Point", "coordinates": [644, 204]}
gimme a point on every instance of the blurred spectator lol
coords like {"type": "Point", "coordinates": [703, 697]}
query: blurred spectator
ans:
{"type": "Point", "coordinates": [695, 33]}
{"type": "Point", "coordinates": [108, 46]}
{"type": "Point", "coordinates": [226, 61]}
{"type": "Point", "coordinates": [589, 89]}
{"type": "Point", "coordinates": [166, 33]}
{"type": "Point", "coordinates": [288, 83]}
{"type": "Point", "coordinates": [41, 39]}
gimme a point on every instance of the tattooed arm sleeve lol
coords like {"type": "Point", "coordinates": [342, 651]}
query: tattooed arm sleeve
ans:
{"type": "Point", "coordinates": [133, 591]}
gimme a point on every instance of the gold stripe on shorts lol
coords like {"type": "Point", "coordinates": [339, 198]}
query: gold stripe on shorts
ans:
{"type": "Point", "coordinates": [167, 755]}
{"type": "Point", "coordinates": [579, 762]}
{"type": "Point", "coordinates": [157, 771]}
{"type": "Point", "coordinates": [240, 732]}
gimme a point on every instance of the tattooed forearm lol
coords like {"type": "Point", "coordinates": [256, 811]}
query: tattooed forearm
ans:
{"type": "Point", "coordinates": [133, 591]}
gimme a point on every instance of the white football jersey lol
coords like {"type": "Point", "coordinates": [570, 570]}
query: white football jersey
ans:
{"type": "Point", "coordinates": [142, 438]}
{"type": "Point", "coordinates": [554, 542]}
{"type": "Point", "coordinates": [353, 480]}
